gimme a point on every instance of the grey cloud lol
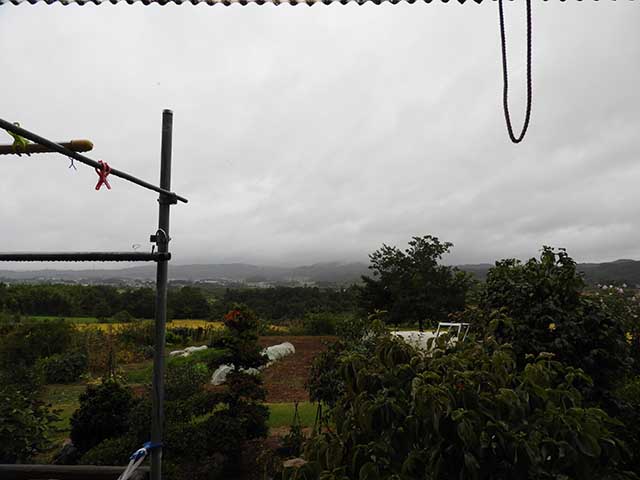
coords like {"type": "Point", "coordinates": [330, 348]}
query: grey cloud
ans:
{"type": "Point", "coordinates": [310, 134]}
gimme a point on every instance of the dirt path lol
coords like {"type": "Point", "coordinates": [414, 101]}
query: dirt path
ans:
{"type": "Point", "coordinates": [285, 379]}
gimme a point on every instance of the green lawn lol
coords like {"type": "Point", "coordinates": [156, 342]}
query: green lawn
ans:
{"type": "Point", "coordinates": [281, 414]}
{"type": "Point", "coordinates": [137, 373]}
{"type": "Point", "coordinates": [65, 399]}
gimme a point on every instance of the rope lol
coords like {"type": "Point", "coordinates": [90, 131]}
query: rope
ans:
{"type": "Point", "coordinates": [137, 458]}
{"type": "Point", "coordinates": [505, 97]}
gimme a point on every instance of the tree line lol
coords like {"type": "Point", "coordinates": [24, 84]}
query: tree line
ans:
{"type": "Point", "coordinates": [104, 302]}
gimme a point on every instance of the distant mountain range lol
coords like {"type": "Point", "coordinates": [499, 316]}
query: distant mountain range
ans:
{"type": "Point", "coordinates": [627, 271]}
{"type": "Point", "coordinates": [618, 271]}
{"type": "Point", "coordinates": [333, 272]}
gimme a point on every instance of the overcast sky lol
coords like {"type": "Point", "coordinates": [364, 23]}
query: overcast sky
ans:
{"type": "Point", "coordinates": [316, 134]}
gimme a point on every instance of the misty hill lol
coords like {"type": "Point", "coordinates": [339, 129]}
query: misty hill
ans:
{"type": "Point", "coordinates": [627, 271]}
{"type": "Point", "coordinates": [333, 272]}
{"type": "Point", "coordinates": [618, 271]}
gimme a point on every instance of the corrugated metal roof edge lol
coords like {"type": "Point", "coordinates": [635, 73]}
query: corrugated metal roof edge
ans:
{"type": "Point", "coordinates": [238, 2]}
{"type": "Point", "coordinates": [234, 2]}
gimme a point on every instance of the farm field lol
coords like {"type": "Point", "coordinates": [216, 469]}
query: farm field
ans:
{"type": "Point", "coordinates": [64, 399]}
{"type": "Point", "coordinates": [95, 323]}
{"type": "Point", "coordinates": [284, 382]}
{"type": "Point", "coordinates": [532, 369]}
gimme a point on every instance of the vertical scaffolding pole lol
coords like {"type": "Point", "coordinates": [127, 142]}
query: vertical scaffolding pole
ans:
{"type": "Point", "coordinates": [162, 242]}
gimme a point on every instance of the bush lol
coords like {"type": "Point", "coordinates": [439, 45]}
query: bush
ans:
{"type": "Point", "coordinates": [103, 413]}
{"type": "Point", "coordinates": [625, 306]}
{"type": "Point", "coordinates": [184, 378]}
{"type": "Point", "coordinates": [205, 430]}
{"type": "Point", "coordinates": [320, 323]}
{"type": "Point", "coordinates": [543, 309]}
{"type": "Point", "coordinates": [211, 357]}
{"type": "Point", "coordinates": [24, 425]}
{"type": "Point", "coordinates": [111, 451]}
{"type": "Point", "coordinates": [64, 368]}
{"type": "Point", "coordinates": [138, 333]}
{"type": "Point", "coordinates": [172, 338]}
{"type": "Point", "coordinates": [29, 341]}
{"type": "Point", "coordinates": [122, 317]}
{"type": "Point", "coordinates": [25, 344]}
{"type": "Point", "coordinates": [356, 335]}
{"type": "Point", "coordinates": [464, 413]}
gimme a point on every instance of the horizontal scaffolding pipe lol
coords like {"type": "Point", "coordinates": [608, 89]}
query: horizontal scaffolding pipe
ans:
{"type": "Point", "coordinates": [84, 257]}
{"type": "Point", "coordinates": [82, 159]}
{"type": "Point", "coordinates": [67, 472]}
{"type": "Point", "coordinates": [73, 145]}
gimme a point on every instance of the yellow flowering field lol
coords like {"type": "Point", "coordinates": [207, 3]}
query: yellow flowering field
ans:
{"type": "Point", "coordinates": [115, 327]}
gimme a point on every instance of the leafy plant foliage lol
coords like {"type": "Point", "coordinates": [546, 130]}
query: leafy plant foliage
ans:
{"type": "Point", "coordinates": [24, 425]}
{"type": "Point", "coordinates": [103, 413]}
{"type": "Point", "coordinates": [543, 308]}
{"type": "Point", "coordinates": [467, 413]}
{"type": "Point", "coordinates": [411, 286]}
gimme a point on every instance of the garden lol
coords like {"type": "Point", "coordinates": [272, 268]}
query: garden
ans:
{"type": "Point", "coordinates": [545, 385]}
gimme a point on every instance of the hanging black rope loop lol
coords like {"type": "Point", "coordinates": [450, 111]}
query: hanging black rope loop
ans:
{"type": "Point", "coordinates": [505, 96]}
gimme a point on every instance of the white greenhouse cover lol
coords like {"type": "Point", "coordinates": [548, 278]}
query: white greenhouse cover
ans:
{"type": "Point", "coordinates": [420, 340]}
{"type": "Point", "coordinates": [273, 353]}
{"type": "Point", "coordinates": [187, 351]}
{"type": "Point", "coordinates": [415, 338]}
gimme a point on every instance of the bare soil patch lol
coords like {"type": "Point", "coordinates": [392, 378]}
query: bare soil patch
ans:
{"type": "Point", "coordinates": [285, 379]}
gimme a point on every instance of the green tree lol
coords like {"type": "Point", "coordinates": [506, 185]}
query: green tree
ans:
{"type": "Point", "coordinates": [411, 285]}
{"type": "Point", "coordinates": [544, 309]}
{"type": "Point", "coordinates": [466, 412]}
{"type": "Point", "coordinates": [103, 413]}
{"type": "Point", "coordinates": [188, 302]}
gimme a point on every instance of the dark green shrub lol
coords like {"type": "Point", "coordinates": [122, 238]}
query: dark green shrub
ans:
{"type": "Point", "coordinates": [29, 341]}
{"type": "Point", "coordinates": [64, 368]}
{"type": "Point", "coordinates": [122, 317]}
{"type": "Point", "coordinates": [111, 451]}
{"type": "Point", "coordinates": [172, 338]}
{"type": "Point", "coordinates": [466, 413]}
{"type": "Point", "coordinates": [184, 378]}
{"type": "Point", "coordinates": [356, 335]}
{"type": "Point", "coordinates": [624, 304]}
{"type": "Point", "coordinates": [138, 333]}
{"type": "Point", "coordinates": [205, 430]}
{"type": "Point", "coordinates": [241, 338]}
{"type": "Point", "coordinates": [25, 423]}
{"type": "Point", "coordinates": [24, 377]}
{"type": "Point", "coordinates": [103, 413]}
{"type": "Point", "coordinates": [26, 343]}
{"type": "Point", "coordinates": [324, 382]}
{"type": "Point", "coordinates": [146, 351]}
{"type": "Point", "coordinates": [320, 324]}
{"type": "Point", "coordinates": [211, 357]}
{"type": "Point", "coordinates": [544, 309]}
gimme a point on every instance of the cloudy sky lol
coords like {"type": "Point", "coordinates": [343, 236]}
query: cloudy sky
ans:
{"type": "Point", "coordinates": [316, 134]}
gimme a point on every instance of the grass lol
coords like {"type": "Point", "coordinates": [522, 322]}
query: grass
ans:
{"type": "Point", "coordinates": [137, 373]}
{"type": "Point", "coordinates": [65, 399]}
{"type": "Point", "coordinates": [281, 414]}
